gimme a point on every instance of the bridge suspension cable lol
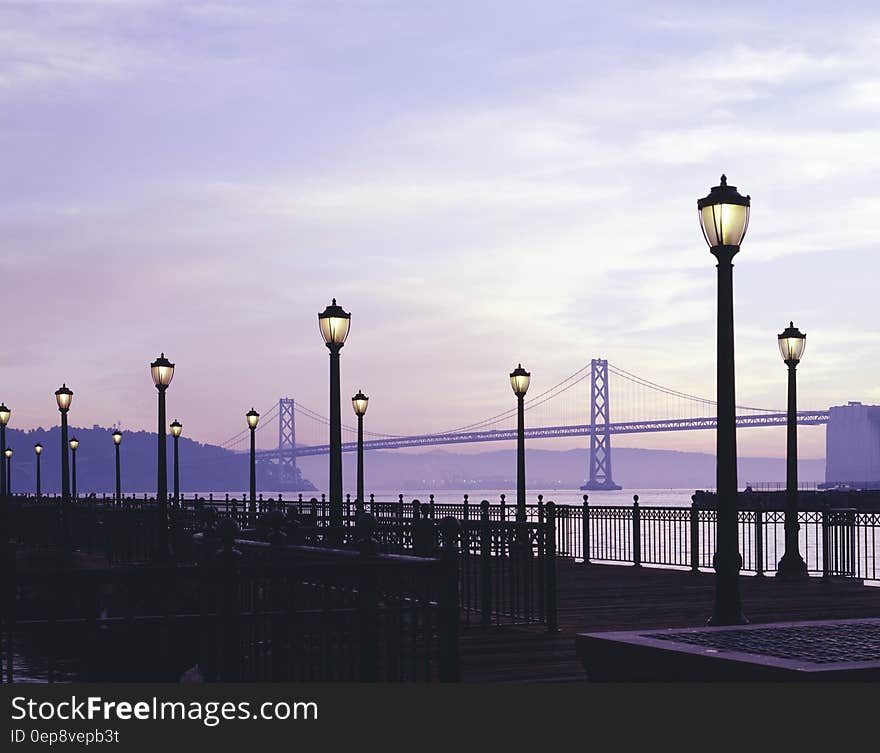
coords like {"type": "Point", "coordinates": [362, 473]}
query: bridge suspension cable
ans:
{"type": "Point", "coordinates": [557, 389]}
{"type": "Point", "coordinates": [675, 393]}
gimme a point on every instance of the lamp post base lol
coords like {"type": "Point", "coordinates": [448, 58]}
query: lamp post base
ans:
{"type": "Point", "coordinates": [720, 618]}
{"type": "Point", "coordinates": [792, 567]}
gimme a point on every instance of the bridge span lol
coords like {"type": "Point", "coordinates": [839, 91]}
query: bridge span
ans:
{"type": "Point", "coordinates": [578, 406]}
{"type": "Point", "coordinates": [807, 418]}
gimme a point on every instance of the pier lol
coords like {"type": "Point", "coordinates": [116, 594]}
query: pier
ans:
{"type": "Point", "coordinates": [459, 591]}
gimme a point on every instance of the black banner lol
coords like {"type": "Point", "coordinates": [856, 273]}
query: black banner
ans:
{"type": "Point", "coordinates": [400, 717]}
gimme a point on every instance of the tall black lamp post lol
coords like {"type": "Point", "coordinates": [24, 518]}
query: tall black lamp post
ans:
{"type": "Point", "coordinates": [38, 451]}
{"type": "Point", "coordinates": [162, 371]}
{"type": "Point", "coordinates": [74, 443]}
{"type": "Point", "coordinates": [117, 439]}
{"type": "Point", "coordinates": [5, 413]}
{"type": "Point", "coordinates": [359, 402]}
{"type": "Point", "coordinates": [334, 324]}
{"type": "Point", "coordinates": [8, 454]}
{"type": "Point", "coordinates": [176, 429]}
{"type": "Point", "coordinates": [791, 345]}
{"type": "Point", "coordinates": [519, 380]}
{"type": "Point", "coordinates": [253, 418]}
{"type": "Point", "coordinates": [63, 397]}
{"type": "Point", "coordinates": [724, 217]}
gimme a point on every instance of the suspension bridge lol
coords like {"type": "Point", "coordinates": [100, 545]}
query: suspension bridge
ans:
{"type": "Point", "coordinates": [579, 405]}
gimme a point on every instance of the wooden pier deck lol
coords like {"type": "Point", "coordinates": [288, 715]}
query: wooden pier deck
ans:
{"type": "Point", "coordinates": [619, 597]}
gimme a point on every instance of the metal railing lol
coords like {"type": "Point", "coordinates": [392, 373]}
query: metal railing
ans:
{"type": "Point", "coordinates": [249, 611]}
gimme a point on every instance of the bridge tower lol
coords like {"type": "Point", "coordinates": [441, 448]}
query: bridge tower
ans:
{"type": "Point", "coordinates": [600, 436]}
{"type": "Point", "coordinates": [287, 470]}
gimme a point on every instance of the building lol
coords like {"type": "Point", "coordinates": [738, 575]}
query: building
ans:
{"type": "Point", "coordinates": [852, 446]}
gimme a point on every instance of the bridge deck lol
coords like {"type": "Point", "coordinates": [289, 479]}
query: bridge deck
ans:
{"type": "Point", "coordinates": [610, 597]}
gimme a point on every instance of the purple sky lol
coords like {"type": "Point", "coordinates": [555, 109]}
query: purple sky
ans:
{"type": "Point", "coordinates": [480, 183]}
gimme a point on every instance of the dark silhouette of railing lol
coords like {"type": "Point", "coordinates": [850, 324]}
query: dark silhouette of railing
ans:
{"type": "Point", "coordinates": [508, 570]}
{"type": "Point", "coordinates": [248, 611]}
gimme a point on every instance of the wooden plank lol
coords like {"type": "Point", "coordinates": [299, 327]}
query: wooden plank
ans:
{"type": "Point", "coordinates": [609, 597]}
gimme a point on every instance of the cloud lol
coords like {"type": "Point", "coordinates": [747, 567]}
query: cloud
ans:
{"type": "Point", "coordinates": [201, 177]}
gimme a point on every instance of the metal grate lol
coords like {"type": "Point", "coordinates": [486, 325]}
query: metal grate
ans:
{"type": "Point", "coordinates": [816, 644]}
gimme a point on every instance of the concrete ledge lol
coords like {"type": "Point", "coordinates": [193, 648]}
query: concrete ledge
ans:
{"type": "Point", "coordinates": [837, 650]}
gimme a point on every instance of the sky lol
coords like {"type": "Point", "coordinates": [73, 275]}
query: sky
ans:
{"type": "Point", "coordinates": [479, 183]}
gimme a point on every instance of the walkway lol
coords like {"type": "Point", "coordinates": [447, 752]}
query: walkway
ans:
{"type": "Point", "coordinates": [613, 597]}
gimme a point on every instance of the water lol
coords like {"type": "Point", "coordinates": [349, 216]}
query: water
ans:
{"type": "Point", "coordinates": [651, 497]}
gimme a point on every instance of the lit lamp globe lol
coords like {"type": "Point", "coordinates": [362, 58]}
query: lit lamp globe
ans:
{"type": "Point", "coordinates": [334, 323]}
{"type": "Point", "coordinates": [724, 216]}
{"type": "Point", "coordinates": [117, 436]}
{"type": "Point", "coordinates": [253, 418]}
{"type": "Point", "coordinates": [63, 396]}
{"type": "Point", "coordinates": [74, 443]}
{"type": "Point", "coordinates": [8, 453]}
{"type": "Point", "coordinates": [791, 344]}
{"type": "Point", "coordinates": [359, 403]}
{"type": "Point", "coordinates": [5, 413]}
{"type": "Point", "coordinates": [162, 371]}
{"type": "Point", "coordinates": [38, 448]}
{"type": "Point", "coordinates": [176, 428]}
{"type": "Point", "coordinates": [519, 380]}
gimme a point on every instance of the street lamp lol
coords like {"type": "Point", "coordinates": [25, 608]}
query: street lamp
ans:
{"type": "Point", "coordinates": [8, 454]}
{"type": "Point", "coordinates": [63, 397]}
{"type": "Point", "coordinates": [334, 324]}
{"type": "Point", "coordinates": [38, 449]}
{"type": "Point", "coordinates": [117, 438]}
{"type": "Point", "coordinates": [176, 429]}
{"type": "Point", "coordinates": [162, 371]}
{"type": "Point", "coordinates": [519, 381]}
{"type": "Point", "coordinates": [253, 418]}
{"type": "Point", "coordinates": [724, 218]}
{"type": "Point", "coordinates": [791, 345]}
{"type": "Point", "coordinates": [74, 443]}
{"type": "Point", "coordinates": [359, 402]}
{"type": "Point", "coordinates": [5, 413]}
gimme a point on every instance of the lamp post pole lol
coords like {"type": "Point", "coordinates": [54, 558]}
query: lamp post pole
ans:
{"type": "Point", "coordinates": [176, 429]}
{"type": "Point", "coordinates": [4, 419]}
{"type": "Point", "coordinates": [360, 402]}
{"type": "Point", "coordinates": [334, 323]}
{"type": "Point", "coordinates": [792, 566]}
{"type": "Point", "coordinates": [63, 397]}
{"type": "Point", "coordinates": [253, 419]}
{"type": "Point", "coordinates": [38, 451]}
{"type": "Point", "coordinates": [335, 441]}
{"type": "Point", "coordinates": [117, 439]}
{"type": "Point", "coordinates": [519, 381]}
{"type": "Point", "coordinates": [724, 217]}
{"type": "Point", "coordinates": [74, 443]}
{"type": "Point", "coordinates": [162, 371]}
{"type": "Point", "coordinates": [9, 468]}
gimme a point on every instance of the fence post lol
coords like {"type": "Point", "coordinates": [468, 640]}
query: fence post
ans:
{"type": "Point", "coordinates": [550, 567]}
{"type": "Point", "coordinates": [368, 601]}
{"type": "Point", "coordinates": [825, 543]}
{"type": "Point", "coordinates": [485, 564]}
{"type": "Point", "coordinates": [695, 535]}
{"type": "Point", "coordinates": [448, 627]}
{"type": "Point", "coordinates": [229, 559]}
{"type": "Point", "coordinates": [759, 538]}
{"type": "Point", "coordinates": [637, 533]}
{"type": "Point", "coordinates": [585, 529]}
